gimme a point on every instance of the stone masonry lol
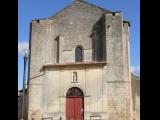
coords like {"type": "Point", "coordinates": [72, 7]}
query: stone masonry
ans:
{"type": "Point", "coordinates": [103, 75]}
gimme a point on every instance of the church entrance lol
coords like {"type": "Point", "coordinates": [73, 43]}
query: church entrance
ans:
{"type": "Point", "coordinates": [74, 104]}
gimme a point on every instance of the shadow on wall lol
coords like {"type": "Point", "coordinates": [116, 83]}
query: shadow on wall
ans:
{"type": "Point", "coordinates": [98, 40]}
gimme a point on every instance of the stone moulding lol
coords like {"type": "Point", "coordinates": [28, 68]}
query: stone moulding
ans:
{"type": "Point", "coordinates": [55, 65]}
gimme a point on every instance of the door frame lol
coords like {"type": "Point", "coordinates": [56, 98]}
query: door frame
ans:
{"type": "Point", "coordinates": [80, 95]}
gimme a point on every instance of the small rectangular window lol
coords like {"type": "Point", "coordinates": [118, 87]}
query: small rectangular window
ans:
{"type": "Point", "coordinates": [78, 54]}
{"type": "Point", "coordinates": [57, 49]}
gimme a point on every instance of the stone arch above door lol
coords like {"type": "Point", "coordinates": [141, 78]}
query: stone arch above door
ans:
{"type": "Point", "coordinates": [69, 87]}
{"type": "Point", "coordinates": [74, 91]}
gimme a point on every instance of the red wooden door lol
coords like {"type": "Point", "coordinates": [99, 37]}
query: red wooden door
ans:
{"type": "Point", "coordinates": [74, 108]}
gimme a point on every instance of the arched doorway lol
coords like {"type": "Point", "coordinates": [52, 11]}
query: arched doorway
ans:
{"type": "Point", "coordinates": [74, 104]}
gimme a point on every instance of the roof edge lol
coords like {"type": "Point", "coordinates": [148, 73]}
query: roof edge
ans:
{"type": "Point", "coordinates": [126, 21]}
{"type": "Point", "coordinates": [95, 6]}
{"type": "Point", "coordinates": [52, 16]}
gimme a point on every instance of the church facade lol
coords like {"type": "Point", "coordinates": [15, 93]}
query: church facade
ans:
{"type": "Point", "coordinates": [79, 66]}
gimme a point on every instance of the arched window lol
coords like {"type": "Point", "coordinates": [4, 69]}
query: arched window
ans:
{"type": "Point", "coordinates": [78, 54]}
{"type": "Point", "coordinates": [74, 91]}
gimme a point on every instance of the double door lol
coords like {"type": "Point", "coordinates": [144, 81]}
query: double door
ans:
{"type": "Point", "coordinates": [75, 108]}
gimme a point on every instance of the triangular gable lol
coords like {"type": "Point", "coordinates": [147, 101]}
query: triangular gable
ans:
{"type": "Point", "coordinates": [84, 2]}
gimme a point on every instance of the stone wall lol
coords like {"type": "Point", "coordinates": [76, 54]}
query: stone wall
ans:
{"type": "Point", "coordinates": [104, 37]}
{"type": "Point", "coordinates": [136, 97]}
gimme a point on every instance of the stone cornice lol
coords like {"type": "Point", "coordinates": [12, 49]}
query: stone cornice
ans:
{"type": "Point", "coordinates": [70, 64]}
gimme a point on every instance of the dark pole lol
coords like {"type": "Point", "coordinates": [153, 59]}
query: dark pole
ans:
{"type": "Point", "coordinates": [24, 83]}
